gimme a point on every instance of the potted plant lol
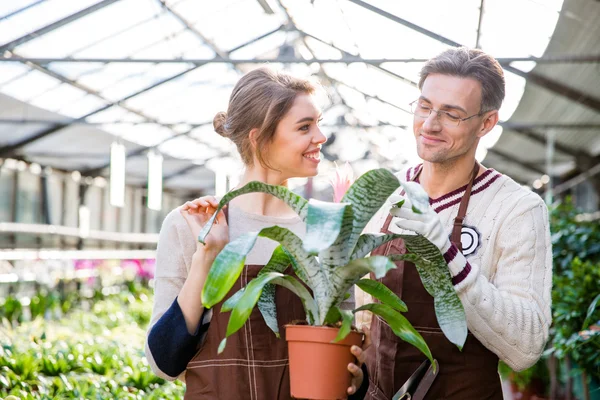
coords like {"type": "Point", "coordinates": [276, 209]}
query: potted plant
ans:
{"type": "Point", "coordinates": [329, 261]}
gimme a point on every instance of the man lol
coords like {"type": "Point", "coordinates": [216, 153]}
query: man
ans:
{"type": "Point", "coordinates": [498, 249]}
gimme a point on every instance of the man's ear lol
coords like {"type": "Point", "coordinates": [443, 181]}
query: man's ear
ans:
{"type": "Point", "coordinates": [489, 122]}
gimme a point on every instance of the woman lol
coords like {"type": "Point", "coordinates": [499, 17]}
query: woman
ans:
{"type": "Point", "coordinates": [273, 120]}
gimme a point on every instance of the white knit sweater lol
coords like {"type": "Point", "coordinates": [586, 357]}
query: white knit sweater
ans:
{"type": "Point", "coordinates": [176, 246]}
{"type": "Point", "coordinates": [506, 270]}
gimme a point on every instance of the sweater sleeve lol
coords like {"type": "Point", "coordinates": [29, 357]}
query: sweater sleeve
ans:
{"type": "Point", "coordinates": [169, 347]}
{"type": "Point", "coordinates": [511, 314]}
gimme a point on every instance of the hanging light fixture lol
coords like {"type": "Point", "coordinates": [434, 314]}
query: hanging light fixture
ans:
{"type": "Point", "coordinates": [155, 180]}
{"type": "Point", "coordinates": [117, 174]}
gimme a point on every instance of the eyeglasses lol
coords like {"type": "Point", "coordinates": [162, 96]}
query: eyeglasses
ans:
{"type": "Point", "coordinates": [446, 118]}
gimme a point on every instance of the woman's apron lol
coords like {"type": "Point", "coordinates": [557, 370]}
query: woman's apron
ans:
{"type": "Point", "coordinates": [466, 375]}
{"type": "Point", "coordinates": [254, 364]}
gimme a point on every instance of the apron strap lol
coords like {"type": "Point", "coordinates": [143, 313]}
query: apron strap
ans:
{"type": "Point", "coordinates": [462, 210]}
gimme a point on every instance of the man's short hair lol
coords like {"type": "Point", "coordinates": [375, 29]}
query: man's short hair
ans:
{"type": "Point", "coordinates": [470, 63]}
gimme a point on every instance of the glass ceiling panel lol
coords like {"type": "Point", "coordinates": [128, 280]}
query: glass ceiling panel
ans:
{"type": "Point", "coordinates": [274, 41]}
{"type": "Point", "coordinates": [455, 21]}
{"type": "Point", "coordinates": [114, 114]}
{"type": "Point", "coordinates": [57, 98]}
{"type": "Point", "coordinates": [179, 45]}
{"type": "Point", "coordinates": [8, 7]}
{"type": "Point", "coordinates": [130, 41]}
{"type": "Point", "coordinates": [187, 149]}
{"type": "Point", "coordinates": [112, 73]}
{"type": "Point", "coordinates": [357, 30]}
{"type": "Point", "coordinates": [134, 83]}
{"type": "Point", "coordinates": [195, 97]}
{"type": "Point", "coordinates": [81, 107]}
{"type": "Point", "coordinates": [29, 86]}
{"type": "Point", "coordinates": [12, 70]}
{"type": "Point", "coordinates": [215, 19]}
{"type": "Point", "coordinates": [143, 134]}
{"type": "Point", "coordinates": [39, 16]}
{"type": "Point", "coordinates": [90, 29]}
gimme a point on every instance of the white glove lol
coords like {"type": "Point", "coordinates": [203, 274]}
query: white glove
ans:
{"type": "Point", "coordinates": [426, 222]}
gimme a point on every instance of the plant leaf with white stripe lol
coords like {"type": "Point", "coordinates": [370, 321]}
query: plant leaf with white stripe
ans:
{"type": "Point", "coordinates": [367, 195]}
{"type": "Point", "coordinates": [279, 262]}
{"type": "Point", "coordinates": [323, 224]}
{"type": "Point", "coordinates": [296, 202]}
{"type": "Point", "coordinates": [367, 242]}
{"type": "Point", "coordinates": [339, 252]}
{"type": "Point", "coordinates": [437, 280]}
{"type": "Point", "coordinates": [344, 277]}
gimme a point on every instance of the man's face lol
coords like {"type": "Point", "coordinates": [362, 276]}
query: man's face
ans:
{"type": "Point", "coordinates": [438, 140]}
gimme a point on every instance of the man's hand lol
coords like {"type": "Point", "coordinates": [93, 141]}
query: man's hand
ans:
{"type": "Point", "coordinates": [355, 369]}
{"type": "Point", "coordinates": [424, 222]}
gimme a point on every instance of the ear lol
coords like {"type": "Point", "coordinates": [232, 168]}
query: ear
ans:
{"type": "Point", "coordinates": [252, 135]}
{"type": "Point", "coordinates": [489, 122]}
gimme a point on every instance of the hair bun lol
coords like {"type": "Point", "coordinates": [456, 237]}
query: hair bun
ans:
{"type": "Point", "coordinates": [219, 123]}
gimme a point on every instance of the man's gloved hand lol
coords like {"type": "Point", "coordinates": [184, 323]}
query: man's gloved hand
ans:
{"type": "Point", "coordinates": [422, 220]}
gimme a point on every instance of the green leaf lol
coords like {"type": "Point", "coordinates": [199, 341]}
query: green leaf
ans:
{"type": "Point", "coordinates": [227, 268]}
{"type": "Point", "coordinates": [399, 325]}
{"type": "Point", "coordinates": [347, 319]}
{"type": "Point", "coordinates": [279, 262]}
{"type": "Point", "coordinates": [368, 242]}
{"type": "Point", "coordinates": [243, 308]}
{"type": "Point", "coordinates": [338, 253]}
{"type": "Point", "coordinates": [297, 203]}
{"type": "Point", "coordinates": [590, 312]}
{"type": "Point", "coordinates": [231, 302]}
{"type": "Point", "coordinates": [323, 224]}
{"type": "Point", "coordinates": [333, 316]}
{"type": "Point", "coordinates": [382, 293]}
{"type": "Point", "coordinates": [437, 280]}
{"type": "Point", "coordinates": [367, 195]}
{"type": "Point", "coordinates": [344, 277]}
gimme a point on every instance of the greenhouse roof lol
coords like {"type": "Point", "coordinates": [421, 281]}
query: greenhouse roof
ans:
{"type": "Point", "coordinates": [76, 76]}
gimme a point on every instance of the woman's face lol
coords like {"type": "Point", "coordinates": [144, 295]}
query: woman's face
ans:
{"type": "Point", "coordinates": [295, 149]}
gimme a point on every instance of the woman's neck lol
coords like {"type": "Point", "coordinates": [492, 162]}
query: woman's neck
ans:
{"type": "Point", "coordinates": [263, 203]}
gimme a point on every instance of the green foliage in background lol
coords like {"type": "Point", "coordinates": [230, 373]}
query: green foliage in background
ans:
{"type": "Point", "coordinates": [96, 354]}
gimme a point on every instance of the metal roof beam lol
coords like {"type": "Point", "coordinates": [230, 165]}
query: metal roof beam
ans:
{"type": "Point", "coordinates": [55, 25]}
{"type": "Point", "coordinates": [553, 86]}
{"type": "Point", "coordinates": [20, 10]}
{"type": "Point", "coordinates": [556, 87]}
{"type": "Point", "coordinates": [345, 59]}
{"type": "Point", "coordinates": [512, 159]}
{"type": "Point", "coordinates": [7, 150]}
{"type": "Point", "coordinates": [540, 138]}
{"type": "Point", "coordinates": [195, 31]}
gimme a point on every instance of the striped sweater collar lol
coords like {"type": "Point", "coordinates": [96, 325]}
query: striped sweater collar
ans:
{"type": "Point", "coordinates": [481, 183]}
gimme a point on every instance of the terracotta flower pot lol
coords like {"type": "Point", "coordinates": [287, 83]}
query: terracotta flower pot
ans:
{"type": "Point", "coordinates": [318, 367]}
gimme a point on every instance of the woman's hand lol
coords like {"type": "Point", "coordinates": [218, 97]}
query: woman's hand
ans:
{"type": "Point", "coordinates": [197, 213]}
{"type": "Point", "coordinates": [355, 369]}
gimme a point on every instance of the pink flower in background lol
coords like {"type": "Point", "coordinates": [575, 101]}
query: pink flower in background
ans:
{"type": "Point", "coordinates": [341, 182]}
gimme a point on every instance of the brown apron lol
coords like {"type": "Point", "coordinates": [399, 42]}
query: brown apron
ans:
{"type": "Point", "coordinates": [466, 375]}
{"type": "Point", "coordinates": [254, 364]}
